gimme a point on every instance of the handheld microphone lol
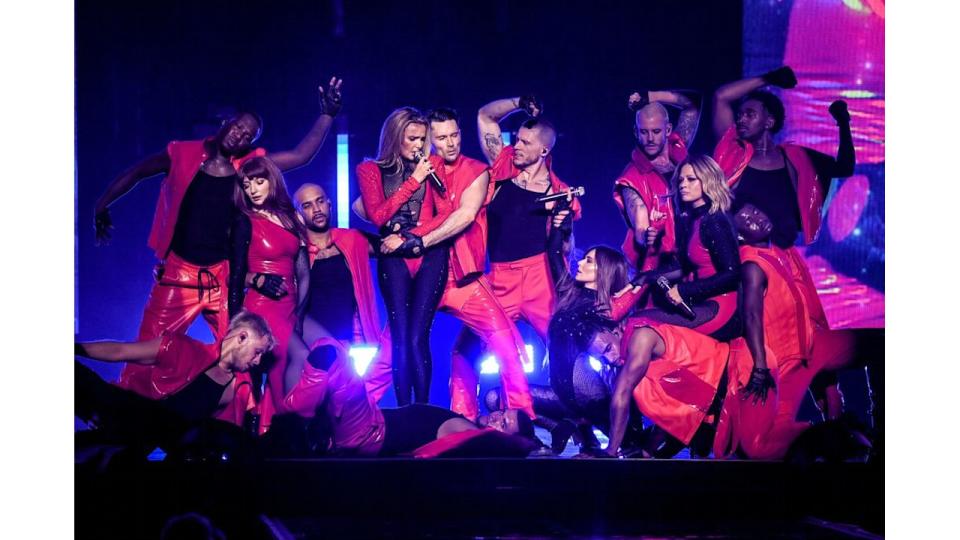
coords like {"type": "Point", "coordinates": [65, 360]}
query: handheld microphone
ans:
{"type": "Point", "coordinates": [664, 285]}
{"type": "Point", "coordinates": [576, 192]}
{"type": "Point", "coordinates": [418, 156]}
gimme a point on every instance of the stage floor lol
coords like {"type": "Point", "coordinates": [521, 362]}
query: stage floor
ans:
{"type": "Point", "coordinates": [489, 498]}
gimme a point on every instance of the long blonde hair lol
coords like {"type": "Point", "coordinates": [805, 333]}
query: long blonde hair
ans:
{"type": "Point", "coordinates": [391, 134]}
{"type": "Point", "coordinates": [712, 181]}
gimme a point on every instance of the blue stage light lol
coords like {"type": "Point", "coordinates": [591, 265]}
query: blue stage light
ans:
{"type": "Point", "coordinates": [604, 441]}
{"type": "Point", "coordinates": [491, 366]}
{"type": "Point", "coordinates": [362, 356]}
{"type": "Point", "coordinates": [343, 181]}
{"type": "Point", "coordinates": [595, 364]}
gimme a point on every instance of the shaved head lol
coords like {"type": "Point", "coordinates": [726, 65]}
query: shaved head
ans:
{"type": "Point", "coordinates": [652, 129]}
{"type": "Point", "coordinates": [544, 130]}
{"type": "Point", "coordinates": [305, 188]}
{"type": "Point", "coordinates": [314, 207]}
{"type": "Point", "coordinates": [653, 111]}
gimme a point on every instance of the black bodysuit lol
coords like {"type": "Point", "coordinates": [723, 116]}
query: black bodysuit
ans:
{"type": "Point", "coordinates": [332, 301]}
{"type": "Point", "coordinates": [411, 301]}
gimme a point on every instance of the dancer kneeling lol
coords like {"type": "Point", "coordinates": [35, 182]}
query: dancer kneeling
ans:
{"type": "Point", "coordinates": [590, 304]}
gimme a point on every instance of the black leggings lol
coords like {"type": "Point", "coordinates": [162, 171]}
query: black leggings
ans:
{"type": "Point", "coordinates": [124, 416]}
{"type": "Point", "coordinates": [411, 304]}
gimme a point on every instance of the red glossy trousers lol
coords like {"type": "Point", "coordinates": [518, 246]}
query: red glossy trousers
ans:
{"type": "Point", "coordinates": [478, 308]}
{"type": "Point", "coordinates": [184, 292]}
{"type": "Point", "coordinates": [766, 431]}
{"type": "Point", "coordinates": [523, 289]}
{"type": "Point", "coordinates": [357, 422]}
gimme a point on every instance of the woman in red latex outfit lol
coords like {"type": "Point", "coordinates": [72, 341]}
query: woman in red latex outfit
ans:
{"type": "Point", "coordinates": [269, 261]}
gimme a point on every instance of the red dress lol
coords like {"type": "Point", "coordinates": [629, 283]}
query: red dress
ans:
{"type": "Point", "coordinates": [713, 276]}
{"type": "Point", "coordinates": [273, 250]}
{"type": "Point", "coordinates": [699, 255]}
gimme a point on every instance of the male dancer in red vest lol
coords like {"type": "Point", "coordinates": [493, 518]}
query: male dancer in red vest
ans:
{"type": "Point", "coordinates": [190, 231]}
{"type": "Point", "coordinates": [341, 295]}
{"type": "Point", "coordinates": [468, 294]}
{"type": "Point", "coordinates": [641, 190]}
{"type": "Point", "coordinates": [186, 380]}
{"type": "Point", "coordinates": [319, 379]}
{"type": "Point", "coordinates": [191, 227]}
{"type": "Point", "coordinates": [787, 182]}
{"type": "Point", "coordinates": [517, 225]}
{"type": "Point", "coordinates": [787, 348]}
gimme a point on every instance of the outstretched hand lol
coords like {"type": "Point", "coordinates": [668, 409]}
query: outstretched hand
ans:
{"type": "Point", "coordinates": [839, 111]}
{"type": "Point", "coordinates": [531, 105]}
{"type": "Point", "coordinates": [103, 227]}
{"type": "Point", "coordinates": [331, 99]}
{"type": "Point", "coordinates": [784, 77]}
{"type": "Point", "coordinates": [638, 100]}
{"type": "Point", "coordinates": [761, 382]}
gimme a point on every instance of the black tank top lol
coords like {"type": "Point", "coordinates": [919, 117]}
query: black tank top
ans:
{"type": "Point", "coordinates": [202, 234]}
{"type": "Point", "coordinates": [517, 224]}
{"type": "Point", "coordinates": [773, 193]}
{"type": "Point", "coordinates": [392, 178]}
{"type": "Point", "coordinates": [198, 400]}
{"type": "Point", "coordinates": [332, 302]}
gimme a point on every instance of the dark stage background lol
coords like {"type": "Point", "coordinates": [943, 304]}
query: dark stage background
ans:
{"type": "Point", "coordinates": [148, 73]}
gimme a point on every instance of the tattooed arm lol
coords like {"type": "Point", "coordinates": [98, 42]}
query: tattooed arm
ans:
{"type": "Point", "coordinates": [689, 103]}
{"type": "Point", "coordinates": [636, 213]}
{"type": "Point", "coordinates": [488, 124]}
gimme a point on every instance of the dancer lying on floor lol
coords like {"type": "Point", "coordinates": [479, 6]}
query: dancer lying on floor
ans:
{"type": "Point", "coordinates": [321, 379]}
{"type": "Point", "coordinates": [190, 381]}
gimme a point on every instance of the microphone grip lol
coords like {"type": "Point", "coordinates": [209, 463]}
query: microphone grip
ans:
{"type": "Point", "coordinates": [687, 312]}
{"type": "Point", "coordinates": [552, 197]}
{"type": "Point", "coordinates": [665, 286]}
{"type": "Point", "coordinates": [574, 192]}
{"type": "Point", "coordinates": [432, 176]}
{"type": "Point", "coordinates": [437, 183]}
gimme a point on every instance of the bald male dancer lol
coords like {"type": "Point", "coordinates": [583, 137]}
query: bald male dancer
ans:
{"type": "Point", "coordinates": [341, 296]}
{"type": "Point", "coordinates": [641, 190]}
